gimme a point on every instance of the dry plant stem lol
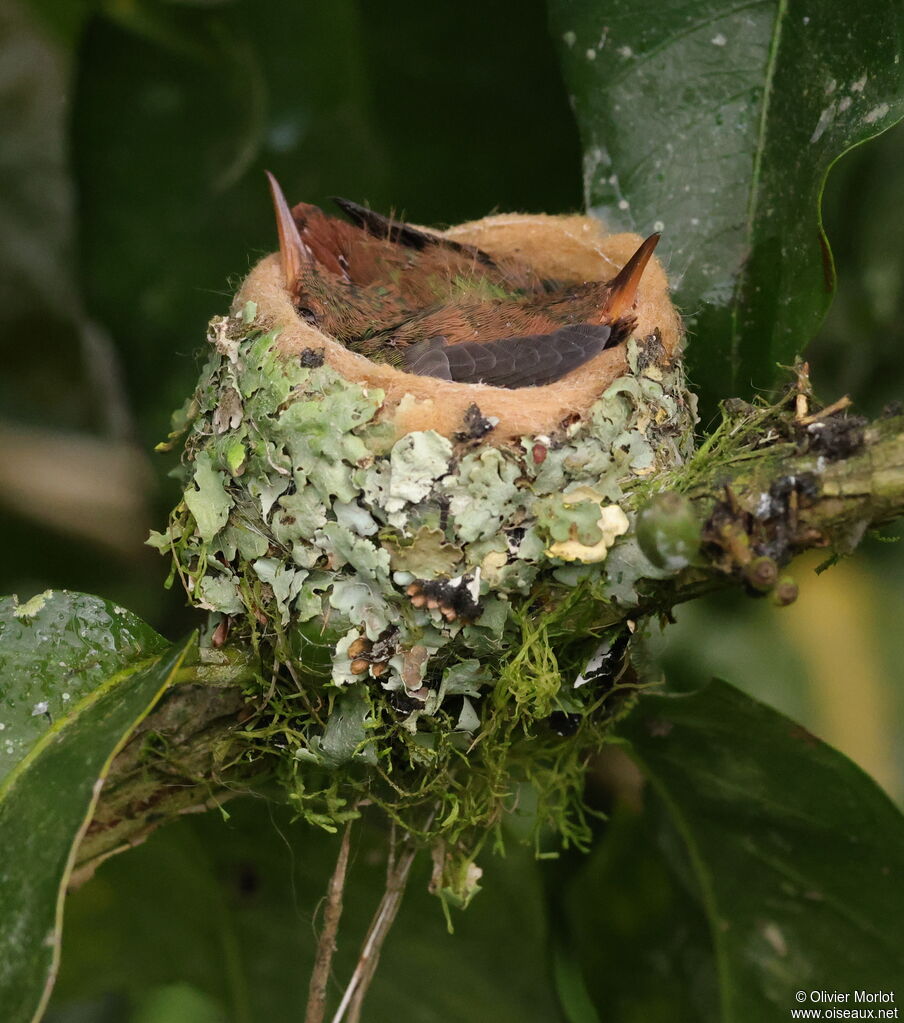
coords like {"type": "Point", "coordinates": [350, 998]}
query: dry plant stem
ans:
{"type": "Point", "coordinates": [326, 945]}
{"type": "Point", "coordinates": [802, 401]}
{"type": "Point", "coordinates": [373, 944]}
{"type": "Point", "coordinates": [357, 1001]}
{"type": "Point", "coordinates": [396, 882]}
{"type": "Point", "coordinates": [829, 410]}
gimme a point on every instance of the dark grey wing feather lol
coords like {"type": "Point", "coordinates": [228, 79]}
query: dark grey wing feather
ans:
{"type": "Point", "coordinates": [429, 358]}
{"type": "Point", "coordinates": [404, 234]}
{"type": "Point", "coordinates": [514, 361]}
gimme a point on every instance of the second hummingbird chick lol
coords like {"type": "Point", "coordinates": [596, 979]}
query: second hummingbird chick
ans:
{"type": "Point", "coordinates": [355, 280]}
{"type": "Point", "coordinates": [430, 306]}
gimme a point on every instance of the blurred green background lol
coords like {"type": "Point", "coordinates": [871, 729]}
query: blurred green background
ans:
{"type": "Point", "coordinates": [132, 199]}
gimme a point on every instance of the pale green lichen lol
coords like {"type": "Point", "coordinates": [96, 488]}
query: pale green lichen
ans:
{"type": "Point", "coordinates": [611, 523]}
{"type": "Point", "coordinates": [427, 605]}
{"type": "Point", "coordinates": [416, 462]}
{"type": "Point", "coordinates": [207, 499]}
{"type": "Point", "coordinates": [31, 607]}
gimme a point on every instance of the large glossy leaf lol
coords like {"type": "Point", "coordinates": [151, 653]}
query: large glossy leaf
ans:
{"type": "Point", "coordinates": [869, 245]}
{"type": "Point", "coordinates": [793, 853]}
{"type": "Point", "coordinates": [637, 939]}
{"type": "Point", "coordinates": [717, 123]}
{"type": "Point", "coordinates": [76, 675]}
{"type": "Point", "coordinates": [55, 651]}
{"type": "Point", "coordinates": [229, 908]}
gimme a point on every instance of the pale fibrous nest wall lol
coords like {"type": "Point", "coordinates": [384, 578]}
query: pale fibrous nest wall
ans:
{"type": "Point", "coordinates": [570, 249]}
{"type": "Point", "coordinates": [426, 584]}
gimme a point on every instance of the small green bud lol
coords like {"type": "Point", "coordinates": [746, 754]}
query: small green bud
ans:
{"type": "Point", "coordinates": [785, 591]}
{"type": "Point", "coordinates": [668, 531]}
{"type": "Point", "coordinates": [761, 573]}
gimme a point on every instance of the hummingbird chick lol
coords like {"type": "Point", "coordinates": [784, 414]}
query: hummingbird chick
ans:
{"type": "Point", "coordinates": [432, 306]}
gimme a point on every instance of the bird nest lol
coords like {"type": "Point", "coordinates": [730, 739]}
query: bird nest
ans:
{"type": "Point", "coordinates": [433, 574]}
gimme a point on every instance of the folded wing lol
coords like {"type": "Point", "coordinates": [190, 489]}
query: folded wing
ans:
{"type": "Point", "coordinates": [515, 361]}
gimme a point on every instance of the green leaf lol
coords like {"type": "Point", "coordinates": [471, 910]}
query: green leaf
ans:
{"type": "Point", "coordinates": [636, 941]}
{"type": "Point", "coordinates": [794, 854]}
{"type": "Point", "coordinates": [55, 650]}
{"type": "Point", "coordinates": [717, 123]}
{"type": "Point", "coordinates": [232, 908]}
{"type": "Point", "coordinates": [76, 676]}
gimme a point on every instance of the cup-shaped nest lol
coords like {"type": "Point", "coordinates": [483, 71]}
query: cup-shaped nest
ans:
{"type": "Point", "coordinates": [427, 561]}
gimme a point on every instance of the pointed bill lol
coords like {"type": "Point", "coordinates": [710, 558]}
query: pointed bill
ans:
{"type": "Point", "coordinates": [294, 255]}
{"type": "Point", "coordinates": [623, 287]}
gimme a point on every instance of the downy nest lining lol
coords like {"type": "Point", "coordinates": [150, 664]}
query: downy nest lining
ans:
{"type": "Point", "coordinates": [346, 514]}
{"type": "Point", "coordinates": [565, 248]}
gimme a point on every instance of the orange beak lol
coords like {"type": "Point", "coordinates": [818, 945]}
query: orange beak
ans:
{"type": "Point", "coordinates": [623, 287]}
{"type": "Point", "coordinates": [294, 255]}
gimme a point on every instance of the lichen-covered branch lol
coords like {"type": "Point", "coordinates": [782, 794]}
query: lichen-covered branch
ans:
{"type": "Point", "coordinates": [788, 486]}
{"type": "Point", "coordinates": [864, 489]}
